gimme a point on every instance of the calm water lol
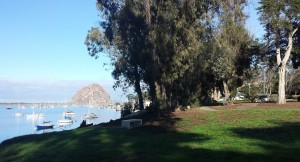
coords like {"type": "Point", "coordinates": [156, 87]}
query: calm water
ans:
{"type": "Point", "coordinates": [12, 126]}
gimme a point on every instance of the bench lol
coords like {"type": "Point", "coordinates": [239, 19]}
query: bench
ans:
{"type": "Point", "coordinates": [130, 123]}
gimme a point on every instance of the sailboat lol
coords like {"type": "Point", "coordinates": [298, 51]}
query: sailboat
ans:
{"type": "Point", "coordinates": [35, 115]}
{"type": "Point", "coordinates": [18, 114]}
{"type": "Point", "coordinates": [90, 115]}
{"type": "Point", "coordinates": [68, 113]}
{"type": "Point", "coordinates": [65, 120]}
{"type": "Point", "coordinates": [44, 125]}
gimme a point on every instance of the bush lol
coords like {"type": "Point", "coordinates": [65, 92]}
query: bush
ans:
{"type": "Point", "coordinates": [126, 110]}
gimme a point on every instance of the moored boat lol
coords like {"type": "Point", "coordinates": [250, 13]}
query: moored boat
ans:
{"type": "Point", "coordinates": [69, 112]}
{"type": "Point", "coordinates": [67, 120]}
{"type": "Point", "coordinates": [35, 115]}
{"type": "Point", "coordinates": [90, 116]}
{"type": "Point", "coordinates": [18, 114]}
{"type": "Point", "coordinates": [45, 125]}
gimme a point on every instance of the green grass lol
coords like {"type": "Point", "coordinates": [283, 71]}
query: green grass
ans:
{"type": "Point", "coordinates": [235, 136]}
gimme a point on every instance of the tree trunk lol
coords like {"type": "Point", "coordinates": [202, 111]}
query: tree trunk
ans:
{"type": "Point", "coordinates": [226, 91]}
{"type": "Point", "coordinates": [281, 67]}
{"type": "Point", "coordinates": [168, 97]}
{"type": "Point", "coordinates": [140, 95]}
{"type": "Point", "coordinates": [216, 94]}
{"type": "Point", "coordinates": [138, 89]}
{"type": "Point", "coordinates": [163, 96]}
{"type": "Point", "coordinates": [281, 85]}
{"type": "Point", "coordinates": [153, 96]}
{"type": "Point", "coordinates": [148, 12]}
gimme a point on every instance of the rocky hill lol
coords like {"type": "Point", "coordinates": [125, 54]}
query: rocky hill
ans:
{"type": "Point", "coordinates": [93, 95]}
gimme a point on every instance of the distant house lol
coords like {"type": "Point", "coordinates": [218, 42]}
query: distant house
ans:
{"type": "Point", "coordinates": [147, 103]}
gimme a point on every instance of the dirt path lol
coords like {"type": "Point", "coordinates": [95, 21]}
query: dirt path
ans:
{"type": "Point", "coordinates": [206, 108]}
{"type": "Point", "coordinates": [241, 106]}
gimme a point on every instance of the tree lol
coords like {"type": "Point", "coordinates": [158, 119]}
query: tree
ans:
{"type": "Point", "coordinates": [292, 79]}
{"type": "Point", "coordinates": [122, 36]}
{"type": "Point", "coordinates": [172, 48]}
{"type": "Point", "coordinates": [281, 21]}
{"type": "Point", "coordinates": [231, 57]}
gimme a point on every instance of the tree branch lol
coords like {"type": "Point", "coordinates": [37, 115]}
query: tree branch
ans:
{"type": "Point", "coordinates": [289, 47]}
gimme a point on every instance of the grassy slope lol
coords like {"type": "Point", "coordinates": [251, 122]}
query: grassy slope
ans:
{"type": "Point", "coordinates": [236, 135]}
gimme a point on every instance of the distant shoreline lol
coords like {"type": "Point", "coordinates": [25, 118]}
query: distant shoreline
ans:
{"type": "Point", "coordinates": [34, 103]}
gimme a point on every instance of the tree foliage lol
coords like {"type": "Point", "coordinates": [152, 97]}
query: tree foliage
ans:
{"type": "Point", "coordinates": [281, 21]}
{"type": "Point", "coordinates": [179, 49]}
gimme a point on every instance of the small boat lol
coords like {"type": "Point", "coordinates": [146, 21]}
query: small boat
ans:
{"type": "Point", "coordinates": [18, 114]}
{"type": "Point", "coordinates": [91, 116]}
{"type": "Point", "coordinates": [64, 124]}
{"type": "Point", "coordinates": [69, 112]}
{"type": "Point", "coordinates": [35, 115]}
{"type": "Point", "coordinates": [65, 121]}
{"type": "Point", "coordinates": [45, 125]}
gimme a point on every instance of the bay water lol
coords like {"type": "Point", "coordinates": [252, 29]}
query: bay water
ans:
{"type": "Point", "coordinates": [13, 126]}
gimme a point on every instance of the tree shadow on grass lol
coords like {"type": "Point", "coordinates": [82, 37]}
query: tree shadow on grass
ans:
{"type": "Point", "coordinates": [281, 142]}
{"type": "Point", "coordinates": [152, 142]}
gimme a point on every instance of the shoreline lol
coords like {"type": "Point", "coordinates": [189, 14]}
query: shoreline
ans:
{"type": "Point", "coordinates": [34, 103]}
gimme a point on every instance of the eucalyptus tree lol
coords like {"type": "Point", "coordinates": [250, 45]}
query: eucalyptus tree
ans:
{"type": "Point", "coordinates": [167, 46]}
{"type": "Point", "coordinates": [281, 20]}
{"type": "Point", "coordinates": [231, 56]}
{"type": "Point", "coordinates": [122, 35]}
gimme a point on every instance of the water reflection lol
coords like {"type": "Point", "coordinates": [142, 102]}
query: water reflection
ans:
{"type": "Point", "coordinates": [48, 130]}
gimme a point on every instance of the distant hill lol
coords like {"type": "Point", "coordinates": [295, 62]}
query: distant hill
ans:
{"type": "Point", "coordinates": [92, 95]}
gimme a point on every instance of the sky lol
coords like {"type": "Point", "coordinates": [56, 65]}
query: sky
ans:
{"type": "Point", "coordinates": [253, 24]}
{"type": "Point", "coordinates": [42, 51]}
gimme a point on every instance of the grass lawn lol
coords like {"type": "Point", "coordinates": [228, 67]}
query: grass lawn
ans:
{"type": "Point", "coordinates": [195, 135]}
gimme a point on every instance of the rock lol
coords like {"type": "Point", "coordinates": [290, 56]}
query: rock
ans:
{"type": "Point", "coordinates": [177, 109]}
{"type": "Point", "coordinates": [188, 107]}
{"type": "Point", "coordinates": [93, 95]}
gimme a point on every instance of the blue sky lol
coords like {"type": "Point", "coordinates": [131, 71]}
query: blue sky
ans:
{"type": "Point", "coordinates": [42, 51]}
{"type": "Point", "coordinates": [253, 23]}
{"type": "Point", "coordinates": [45, 39]}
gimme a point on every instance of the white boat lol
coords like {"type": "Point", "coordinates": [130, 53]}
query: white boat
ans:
{"type": "Point", "coordinates": [65, 121]}
{"type": "Point", "coordinates": [91, 116]}
{"type": "Point", "coordinates": [18, 114]}
{"type": "Point", "coordinates": [35, 115]}
{"type": "Point", "coordinates": [68, 113]}
{"type": "Point", "coordinates": [64, 124]}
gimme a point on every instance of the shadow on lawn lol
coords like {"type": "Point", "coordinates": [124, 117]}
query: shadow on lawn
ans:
{"type": "Point", "coordinates": [282, 142]}
{"type": "Point", "coordinates": [148, 143]}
